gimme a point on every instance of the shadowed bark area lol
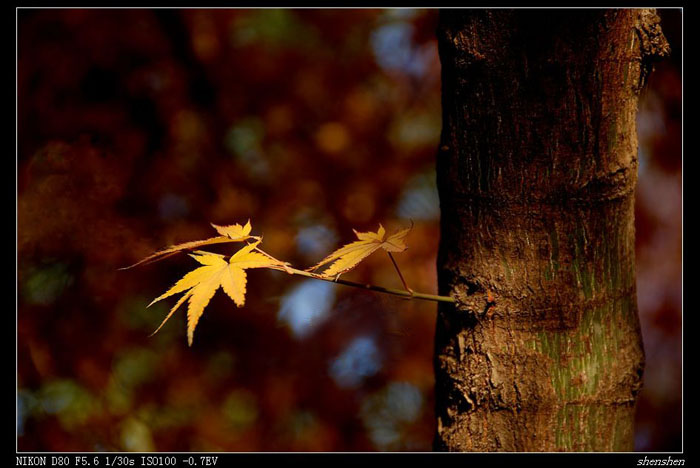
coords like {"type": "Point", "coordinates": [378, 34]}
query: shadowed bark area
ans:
{"type": "Point", "coordinates": [537, 169]}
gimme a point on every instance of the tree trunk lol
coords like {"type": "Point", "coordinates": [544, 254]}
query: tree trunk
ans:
{"type": "Point", "coordinates": [537, 170]}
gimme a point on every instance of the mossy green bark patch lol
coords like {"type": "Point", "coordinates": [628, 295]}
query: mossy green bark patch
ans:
{"type": "Point", "coordinates": [595, 254]}
{"type": "Point", "coordinates": [581, 357]}
{"type": "Point", "coordinates": [581, 368]}
{"type": "Point", "coordinates": [590, 428]}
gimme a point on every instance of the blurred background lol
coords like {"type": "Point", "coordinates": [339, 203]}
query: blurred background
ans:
{"type": "Point", "coordinates": [137, 128]}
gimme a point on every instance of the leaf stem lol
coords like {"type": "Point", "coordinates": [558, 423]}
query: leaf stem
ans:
{"type": "Point", "coordinates": [399, 272]}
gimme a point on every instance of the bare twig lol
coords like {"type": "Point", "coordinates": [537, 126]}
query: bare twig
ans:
{"type": "Point", "coordinates": [408, 293]}
{"type": "Point", "coordinates": [399, 272]}
{"type": "Point", "coordinates": [371, 287]}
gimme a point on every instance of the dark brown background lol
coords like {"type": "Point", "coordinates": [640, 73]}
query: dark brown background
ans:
{"type": "Point", "coordinates": [139, 127]}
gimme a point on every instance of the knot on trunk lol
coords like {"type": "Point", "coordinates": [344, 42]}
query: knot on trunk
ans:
{"type": "Point", "coordinates": [653, 44]}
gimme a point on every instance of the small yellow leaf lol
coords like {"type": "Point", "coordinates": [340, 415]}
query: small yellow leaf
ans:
{"type": "Point", "coordinates": [395, 242]}
{"type": "Point", "coordinates": [201, 284]}
{"type": "Point", "coordinates": [349, 256]}
{"type": "Point", "coordinates": [233, 233]}
{"type": "Point", "coordinates": [374, 236]}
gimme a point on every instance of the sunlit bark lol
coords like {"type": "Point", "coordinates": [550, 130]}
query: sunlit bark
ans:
{"type": "Point", "coordinates": [537, 170]}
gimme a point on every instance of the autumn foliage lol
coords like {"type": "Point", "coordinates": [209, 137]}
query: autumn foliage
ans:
{"type": "Point", "coordinates": [136, 128]}
{"type": "Point", "coordinates": [200, 285]}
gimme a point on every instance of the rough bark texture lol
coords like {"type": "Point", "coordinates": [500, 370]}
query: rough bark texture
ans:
{"type": "Point", "coordinates": [536, 171]}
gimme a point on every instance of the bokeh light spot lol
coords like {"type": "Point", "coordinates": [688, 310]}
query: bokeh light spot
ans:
{"type": "Point", "coordinates": [420, 200]}
{"type": "Point", "coordinates": [136, 436]}
{"type": "Point", "coordinates": [68, 400]}
{"type": "Point", "coordinates": [315, 240]}
{"type": "Point", "coordinates": [359, 206]}
{"type": "Point", "coordinates": [390, 412]}
{"type": "Point", "coordinates": [332, 137]}
{"type": "Point", "coordinates": [306, 306]}
{"type": "Point", "coordinates": [359, 360]}
{"type": "Point", "coordinates": [44, 285]}
{"type": "Point", "coordinates": [240, 409]}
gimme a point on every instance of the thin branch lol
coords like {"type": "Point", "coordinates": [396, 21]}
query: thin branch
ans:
{"type": "Point", "coordinates": [395, 292]}
{"type": "Point", "coordinates": [399, 272]}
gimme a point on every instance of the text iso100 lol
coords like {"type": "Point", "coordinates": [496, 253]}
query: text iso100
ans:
{"type": "Point", "coordinates": [154, 460]}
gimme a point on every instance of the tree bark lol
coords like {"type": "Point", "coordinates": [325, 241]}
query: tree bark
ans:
{"type": "Point", "coordinates": [536, 171]}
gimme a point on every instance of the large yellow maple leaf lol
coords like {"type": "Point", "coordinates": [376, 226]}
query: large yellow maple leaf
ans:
{"type": "Point", "coordinates": [349, 256]}
{"type": "Point", "coordinates": [231, 233]}
{"type": "Point", "coordinates": [200, 284]}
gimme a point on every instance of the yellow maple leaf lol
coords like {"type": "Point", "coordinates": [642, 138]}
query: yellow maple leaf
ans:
{"type": "Point", "coordinates": [232, 233]}
{"type": "Point", "coordinates": [349, 256]}
{"type": "Point", "coordinates": [200, 284]}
